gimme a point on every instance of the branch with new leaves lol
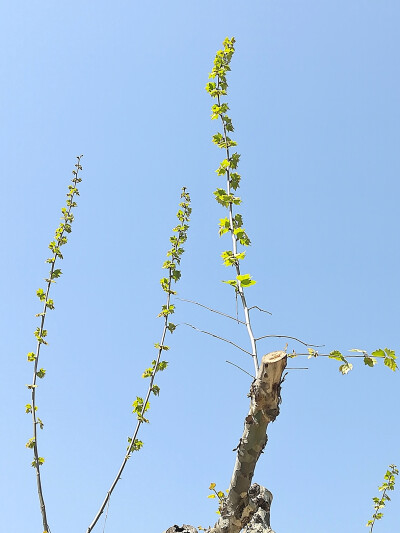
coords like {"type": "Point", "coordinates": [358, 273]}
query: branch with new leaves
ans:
{"type": "Point", "coordinates": [142, 405]}
{"type": "Point", "coordinates": [40, 333]}
{"type": "Point", "coordinates": [246, 505]}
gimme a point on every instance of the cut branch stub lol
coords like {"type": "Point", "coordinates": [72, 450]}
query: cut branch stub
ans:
{"type": "Point", "coordinates": [265, 392]}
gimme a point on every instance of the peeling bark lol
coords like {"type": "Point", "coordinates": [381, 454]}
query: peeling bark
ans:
{"type": "Point", "coordinates": [265, 396]}
{"type": "Point", "coordinates": [247, 506]}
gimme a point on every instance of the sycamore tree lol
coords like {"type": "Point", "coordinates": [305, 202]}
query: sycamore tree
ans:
{"type": "Point", "coordinates": [246, 504]}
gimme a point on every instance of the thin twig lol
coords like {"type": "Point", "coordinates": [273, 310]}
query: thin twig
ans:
{"type": "Point", "coordinates": [293, 338]}
{"type": "Point", "coordinates": [259, 308]}
{"type": "Point", "coordinates": [210, 309]}
{"type": "Point", "coordinates": [217, 337]}
{"type": "Point", "coordinates": [296, 368]}
{"type": "Point", "coordinates": [240, 368]}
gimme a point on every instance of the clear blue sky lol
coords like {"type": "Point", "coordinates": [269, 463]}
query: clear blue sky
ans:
{"type": "Point", "coordinates": [314, 97]}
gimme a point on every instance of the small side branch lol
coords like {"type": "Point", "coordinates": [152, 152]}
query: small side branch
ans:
{"type": "Point", "coordinates": [240, 368]}
{"type": "Point", "coordinates": [260, 309]}
{"type": "Point", "coordinates": [218, 337]}
{"type": "Point", "coordinates": [212, 310]}
{"type": "Point", "coordinates": [289, 337]}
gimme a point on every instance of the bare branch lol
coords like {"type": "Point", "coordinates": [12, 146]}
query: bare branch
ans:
{"type": "Point", "coordinates": [289, 337]}
{"type": "Point", "coordinates": [259, 308]}
{"type": "Point", "coordinates": [213, 310]}
{"type": "Point", "coordinates": [240, 368]}
{"type": "Point", "coordinates": [218, 337]}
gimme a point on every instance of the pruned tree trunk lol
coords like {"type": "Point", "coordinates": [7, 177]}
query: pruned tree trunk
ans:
{"type": "Point", "coordinates": [247, 506]}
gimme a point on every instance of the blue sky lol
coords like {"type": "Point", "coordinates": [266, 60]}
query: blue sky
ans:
{"type": "Point", "coordinates": [314, 97]}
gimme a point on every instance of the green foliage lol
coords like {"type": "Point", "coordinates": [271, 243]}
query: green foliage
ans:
{"type": "Point", "coordinates": [38, 462]}
{"type": "Point", "coordinates": [171, 327]}
{"type": "Point", "coordinates": [140, 407]}
{"type": "Point", "coordinates": [245, 280]}
{"type": "Point", "coordinates": [40, 333]}
{"type": "Point", "coordinates": [227, 167]}
{"type": "Point", "coordinates": [134, 446]}
{"type": "Point", "coordinates": [216, 494]}
{"type": "Point", "coordinates": [166, 309]}
{"type": "Point", "coordinates": [379, 503]}
{"type": "Point", "coordinates": [388, 356]}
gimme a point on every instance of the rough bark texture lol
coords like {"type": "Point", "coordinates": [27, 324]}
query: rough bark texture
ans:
{"type": "Point", "coordinates": [183, 529]}
{"type": "Point", "coordinates": [247, 507]}
{"type": "Point", "coordinates": [260, 521]}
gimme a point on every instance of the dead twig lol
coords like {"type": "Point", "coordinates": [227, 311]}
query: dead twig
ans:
{"type": "Point", "coordinates": [213, 310]}
{"type": "Point", "coordinates": [218, 337]}
{"type": "Point", "coordinates": [289, 337]}
{"type": "Point", "coordinates": [240, 368]}
{"type": "Point", "coordinates": [260, 309]}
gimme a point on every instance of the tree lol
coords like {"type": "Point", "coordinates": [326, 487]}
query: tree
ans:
{"type": "Point", "coordinates": [314, 98]}
{"type": "Point", "coordinates": [245, 505]}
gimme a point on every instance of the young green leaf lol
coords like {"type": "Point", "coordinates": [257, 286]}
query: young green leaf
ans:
{"type": "Point", "coordinates": [245, 280]}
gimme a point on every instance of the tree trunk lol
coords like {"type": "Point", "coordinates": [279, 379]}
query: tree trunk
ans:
{"type": "Point", "coordinates": [247, 507]}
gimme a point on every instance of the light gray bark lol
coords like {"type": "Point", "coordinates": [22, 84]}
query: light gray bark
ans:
{"type": "Point", "coordinates": [247, 507]}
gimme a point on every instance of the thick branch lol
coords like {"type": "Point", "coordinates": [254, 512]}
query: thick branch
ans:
{"type": "Point", "coordinates": [265, 393]}
{"type": "Point", "coordinates": [247, 506]}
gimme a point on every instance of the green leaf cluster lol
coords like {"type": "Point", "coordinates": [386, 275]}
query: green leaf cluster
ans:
{"type": "Point", "coordinates": [230, 259]}
{"type": "Point", "coordinates": [37, 463]}
{"type": "Point", "coordinates": [242, 280]}
{"type": "Point", "coordinates": [134, 446]}
{"type": "Point", "coordinates": [40, 334]}
{"type": "Point", "coordinates": [156, 367]}
{"type": "Point", "coordinates": [139, 408]}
